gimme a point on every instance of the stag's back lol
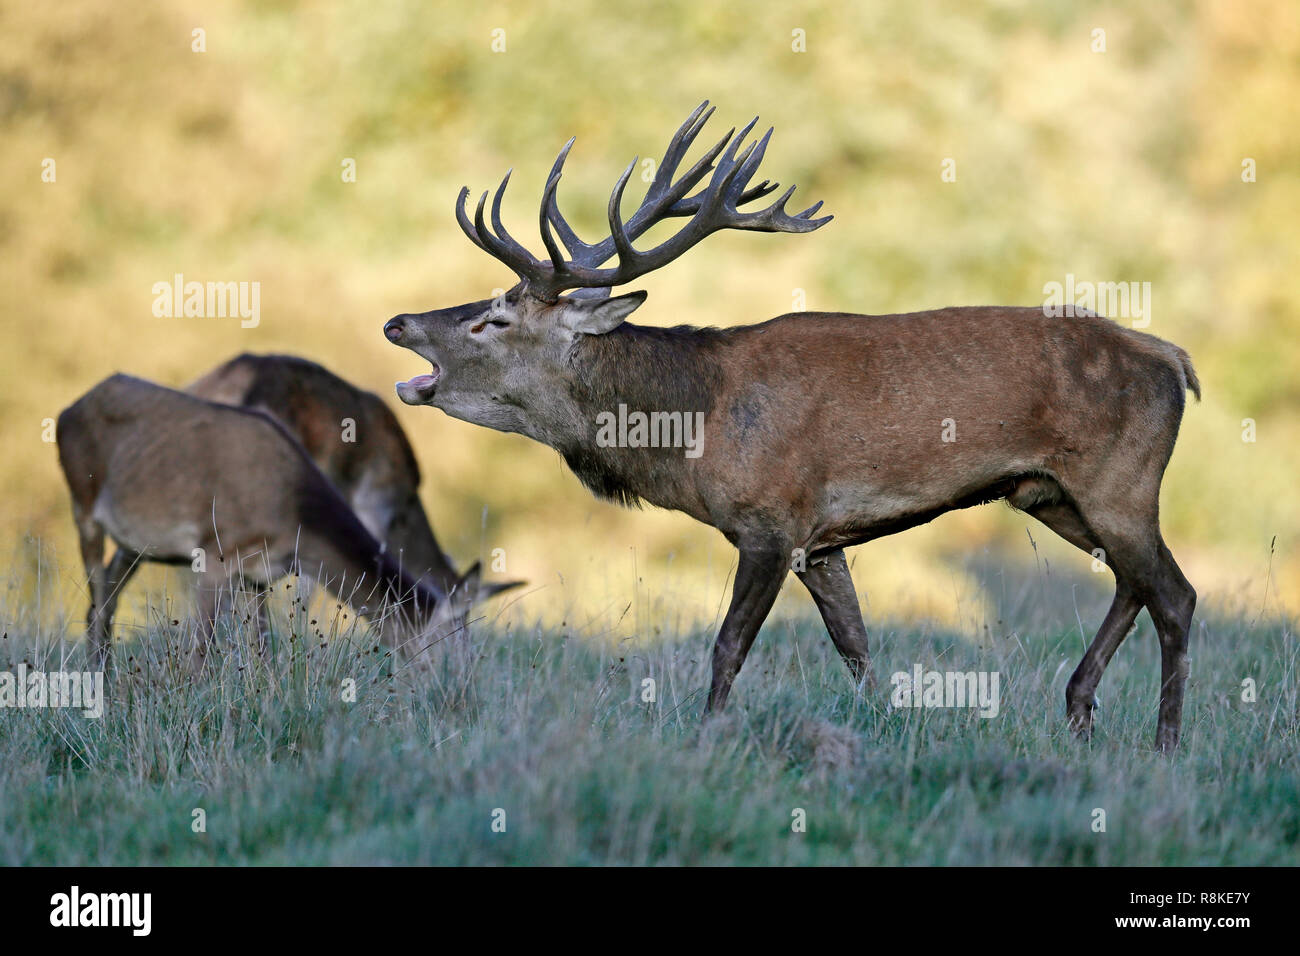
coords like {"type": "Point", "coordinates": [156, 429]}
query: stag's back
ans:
{"type": "Point", "coordinates": [936, 405]}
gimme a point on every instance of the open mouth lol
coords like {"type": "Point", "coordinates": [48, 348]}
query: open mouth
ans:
{"type": "Point", "coordinates": [419, 390]}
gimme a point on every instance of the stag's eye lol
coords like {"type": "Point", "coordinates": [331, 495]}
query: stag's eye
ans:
{"type": "Point", "coordinates": [495, 323]}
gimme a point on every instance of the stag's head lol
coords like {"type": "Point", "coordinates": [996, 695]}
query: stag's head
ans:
{"type": "Point", "coordinates": [501, 362]}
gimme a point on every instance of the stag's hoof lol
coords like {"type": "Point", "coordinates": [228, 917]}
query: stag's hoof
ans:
{"type": "Point", "coordinates": [1079, 715]}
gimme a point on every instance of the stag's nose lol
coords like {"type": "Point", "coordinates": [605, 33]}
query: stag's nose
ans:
{"type": "Point", "coordinates": [395, 327]}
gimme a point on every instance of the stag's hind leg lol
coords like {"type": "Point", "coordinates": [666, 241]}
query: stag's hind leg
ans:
{"type": "Point", "coordinates": [831, 587]}
{"type": "Point", "coordinates": [1146, 574]}
{"type": "Point", "coordinates": [1171, 607]}
{"type": "Point", "coordinates": [1081, 692]}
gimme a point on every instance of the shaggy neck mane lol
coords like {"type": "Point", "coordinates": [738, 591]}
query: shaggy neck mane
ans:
{"type": "Point", "coordinates": [648, 370]}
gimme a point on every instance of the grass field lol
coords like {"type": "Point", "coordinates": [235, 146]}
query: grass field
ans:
{"type": "Point", "coordinates": [550, 727]}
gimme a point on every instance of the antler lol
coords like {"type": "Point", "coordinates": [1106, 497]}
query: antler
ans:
{"type": "Point", "coordinates": [714, 207]}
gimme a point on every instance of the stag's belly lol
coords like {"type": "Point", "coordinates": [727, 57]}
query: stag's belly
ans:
{"type": "Point", "coordinates": [856, 514]}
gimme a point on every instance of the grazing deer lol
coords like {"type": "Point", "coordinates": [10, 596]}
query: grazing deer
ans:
{"type": "Point", "coordinates": [820, 430]}
{"type": "Point", "coordinates": [354, 438]}
{"type": "Point", "coordinates": [164, 473]}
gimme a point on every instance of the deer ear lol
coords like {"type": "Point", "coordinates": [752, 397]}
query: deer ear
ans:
{"type": "Point", "coordinates": [598, 316]}
{"type": "Point", "coordinates": [455, 605]}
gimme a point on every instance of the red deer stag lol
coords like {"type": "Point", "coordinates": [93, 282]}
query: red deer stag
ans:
{"type": "Point", "coordinates": [163, 473]}
{"type": "Point", "coordinates": [820, 430]}
{"type": "Point", "coordinates": [369, 459]}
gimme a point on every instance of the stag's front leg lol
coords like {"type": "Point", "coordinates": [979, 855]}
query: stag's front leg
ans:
{"type": "Point", "coordinates": [831, 587]}
{"type": "Point", "coordinates": [759, 576]}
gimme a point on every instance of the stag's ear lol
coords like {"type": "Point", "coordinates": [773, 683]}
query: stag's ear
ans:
{"type": "Point", "coordinates": [598, 316]}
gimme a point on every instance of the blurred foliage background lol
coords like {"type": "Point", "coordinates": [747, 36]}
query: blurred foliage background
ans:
{"type": "Point", "coordinates": [1122, 165]}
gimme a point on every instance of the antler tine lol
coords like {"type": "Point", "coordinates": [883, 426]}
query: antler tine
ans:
{"type": "Point", "coordinates": [481, 229]}
{"type": "Point", "coordinates": [732, 180]}
{"type": "Point", "coordinates": [677, 147]}
{"type": "Point", "coordinates": [747, 167]}
{"type": "Point", "coordinates": [516, 250]}
{"type": "Point", "coordinates": [497, 242]}
{"type": "Point", "coordinates": [652, 212]}
{"type": "Point", "coordinates": [713, 197]}
{"type": "Point", "coordinates": [551, 211]}
{"type": "Point", "coordinates": [557, 167]}
{"type": "Point", "coordinates": [690, 205]}
{"type": "Point", "coordinates": [775, 219]}
{"type": "Point", "coordinates": [703, 165]}
{"type": "Point", "coordinates": [807, 213]}
{"type": "Point", "coordinates": [729, 157]}
{"type": "Point", "coordinates": [544, 223]}
{"type": "Point", "coordinates": [462, 218]}
{"type": "Point", "coordinates": [622, 243]}
{"type": "Point", "coordinates": [757, 192]}
{"type": "Point", "coordinates": [522, 266]}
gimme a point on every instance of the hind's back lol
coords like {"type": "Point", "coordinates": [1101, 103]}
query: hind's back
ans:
{"type": "Point", "coordinates": [158, 467]}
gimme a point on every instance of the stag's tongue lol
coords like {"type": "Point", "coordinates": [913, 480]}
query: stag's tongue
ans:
{"type": "Point", "coordinates": [418, 390]}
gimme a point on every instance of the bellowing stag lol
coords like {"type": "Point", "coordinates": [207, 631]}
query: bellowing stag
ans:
{"type": "Point", "coordinates": [820, 430]}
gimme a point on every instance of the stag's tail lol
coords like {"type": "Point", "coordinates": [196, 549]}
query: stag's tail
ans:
{"type": "Point", "coordinates": [1189, 374]}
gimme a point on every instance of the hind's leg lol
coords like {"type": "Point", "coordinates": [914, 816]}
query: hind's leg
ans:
{"type": "Point", "coordinates": [209, 590]}
{"type": "Point", "coordinates": [98, 630]}
{"type": "Point", "coordinates": [124, 564]}
{"type": "Point", "coordinates": [263, 600]}
{"type": "Point", "coordinates": [206, 611]}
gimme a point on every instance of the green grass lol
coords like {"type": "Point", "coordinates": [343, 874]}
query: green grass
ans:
{"type": "Point", "coordinates": [551, 728]}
